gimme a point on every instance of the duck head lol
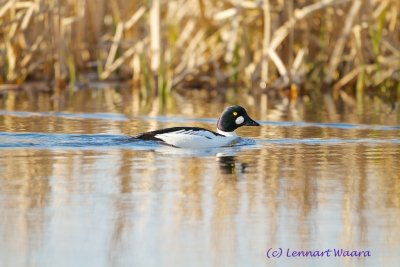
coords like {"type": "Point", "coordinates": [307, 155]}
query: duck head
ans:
{"type": "Point", "coordinates": [234, 117]}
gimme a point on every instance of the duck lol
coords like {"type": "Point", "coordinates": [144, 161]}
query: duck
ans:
{"type": "Point", "coordinates": [231, 118]}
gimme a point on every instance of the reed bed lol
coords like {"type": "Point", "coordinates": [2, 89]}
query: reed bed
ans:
{"type": "Point", "coordinates": [348, 46]}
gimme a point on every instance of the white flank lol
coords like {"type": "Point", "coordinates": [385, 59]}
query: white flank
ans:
{"type": "Point", "coordinates": [195, 139]}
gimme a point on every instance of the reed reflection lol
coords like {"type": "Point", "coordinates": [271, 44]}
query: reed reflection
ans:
{"type": "Point", "coordinates": [301, 187]}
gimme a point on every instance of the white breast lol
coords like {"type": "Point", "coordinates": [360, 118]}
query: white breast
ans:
{"type": "Point", "coordinates": [196, 139]}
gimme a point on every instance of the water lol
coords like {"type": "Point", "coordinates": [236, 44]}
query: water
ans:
{"type": "Point", "coordinates": [75, 191]}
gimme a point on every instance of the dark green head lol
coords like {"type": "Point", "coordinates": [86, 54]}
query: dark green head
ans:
{"type": "Point", "coordinates": [234, 117]}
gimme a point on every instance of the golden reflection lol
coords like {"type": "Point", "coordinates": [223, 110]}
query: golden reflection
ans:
{"type": "Point", "coordinates": [146, 206]}
{"type": "Point", "coordinates": [189, 189]}
{"type": "Point", "coordinates": [353, 181]}
{"type": "Point", "coordinates": [224, 236]}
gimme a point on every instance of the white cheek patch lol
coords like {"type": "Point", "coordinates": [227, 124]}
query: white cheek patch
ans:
{"type": "Point", "coordinates": [239, 120]}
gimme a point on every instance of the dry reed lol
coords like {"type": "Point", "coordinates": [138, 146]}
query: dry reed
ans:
{"type": "Point", "coordinates": [203, 43]}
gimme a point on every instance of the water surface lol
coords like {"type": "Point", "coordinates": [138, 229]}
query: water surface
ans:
{"type": "Point", "coordinates": [75, 191]}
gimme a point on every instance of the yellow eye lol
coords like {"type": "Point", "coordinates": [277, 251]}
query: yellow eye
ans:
{"type": "Point", "coordinates": [234, 113]}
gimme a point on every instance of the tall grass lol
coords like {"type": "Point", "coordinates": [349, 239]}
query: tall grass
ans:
{"type": "Point", "coordinates": [202, 43]}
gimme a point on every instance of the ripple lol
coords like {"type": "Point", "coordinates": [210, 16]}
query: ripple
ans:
{"type": "Point", "coordinates": [168, 119]}
{"type": "Point", "coordinates": [348, 126]}
{"type": "Point", "coordinates": [329, 141]}
{"type": "Point", "coordinates": [83, 141]}
{"type": "Point", "coordinates": [90, 141]}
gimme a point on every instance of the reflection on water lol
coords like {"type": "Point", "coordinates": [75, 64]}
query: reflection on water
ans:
{"type": "Point", "coordinates": [74, 192]}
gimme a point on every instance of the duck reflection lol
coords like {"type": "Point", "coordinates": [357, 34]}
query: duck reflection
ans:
{"type": "Point", "coordinates": [226, 157]}
{"type": "Point", "coordinates": [229, 165]}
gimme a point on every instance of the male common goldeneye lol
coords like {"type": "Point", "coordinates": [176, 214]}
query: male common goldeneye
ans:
{"type": "Point", "coordinates": [231, 118]}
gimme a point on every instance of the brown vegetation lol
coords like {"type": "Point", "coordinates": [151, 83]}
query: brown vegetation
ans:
{"type": "Point", "coordinates": [203, 43]}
